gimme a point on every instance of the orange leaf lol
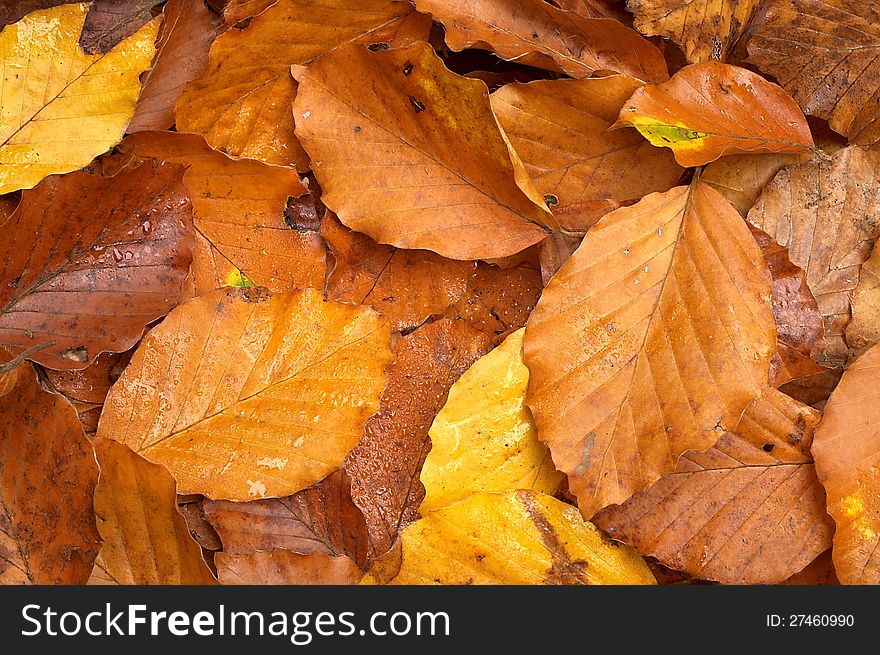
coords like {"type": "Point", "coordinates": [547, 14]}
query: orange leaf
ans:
{"type": "Point", "coordinates": [282, 568]}
{"type": "Point", "coordinates": [711, 109]}
{"type": "Point", "coordinates": [649, 342]}
{"type": "Point", "coordinates": [750, 510]}
{"type": "Point", "coordinates": [411, 154]}
{"type": "Point", "coordinates": [847, 452]}
{"type": "Point", "coordinates": [536, 33]}
{"type": "Point", "coordinates": [243, 394]}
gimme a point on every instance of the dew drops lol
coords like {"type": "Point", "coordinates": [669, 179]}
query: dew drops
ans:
{"type": "Point", "coordinates": [626, 251]}
{"type": "Point", "coordinates": [147, 226]}
{"type": "Point", "coordinates": [117, 255]}
{"type": "Point", "coordinates": [636, 281]}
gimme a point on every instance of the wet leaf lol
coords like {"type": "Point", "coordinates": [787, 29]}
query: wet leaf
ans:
{"type": "Point", "coordinates": [181, 56]}
{"type": "Point", "coordinates": [518, 537]}
{"type": "Point", "coordinates": [238, 207]}
{"type": "Point", "coordinates": [384, 467]}
{"type": "Point", "coordinates": [484, 439]}
{"type": "Point", "coordinates": [47, 529]}
{"type": "Point", "coordinates": [236, 11]}
{"type": "Point", "coordinates": [847, 452]}
{"type": "Point", "coordinates": [750, 510]}
{"type": "Point", "coordinates": [110, 21]}
{"type": "Point", "coordinates": [560, 130]}
{"type": "Point", "coordinates": [241, 104]}
{"type": "Point", "coordinates": [282, 568]}
{"type": "Point", "coordinates": [145, 539]}
{"type": "Point", "coordinates": [73, 293]}
{"type": "Point", "coordinates": [819, 571]}
{"type": "Point", "coordinates": [407, 286]}
{"type": "Point", "coordinates": [411, 154]}
{"type": "Point", "coordinates": [863, 330]}
{"type": "Point", "coordinates": [58, 88]}
{"type": "Point", "coordinates": [824, 53]}
{"type": "Point", "coordinates": [826, 213]}
{"type": "Point", "coordinates": [712, 109]}
{"type": "Point", "coordinates": [705, 29]}
{"type": "Point", "coordinates": [271, 391]}
{"type": "Point", "coordinates": [534, 32]}
{"type": "Point", "coordinates": [320, 519]}
{"type": "Point", "coordinates": [649, 342]}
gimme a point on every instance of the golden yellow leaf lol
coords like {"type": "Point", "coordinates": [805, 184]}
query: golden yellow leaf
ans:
{"type": "Point", "coordinates": [517, 537]}
{"type": "Point", "coordinates": [484, 438]}
{"type": "Point", "coordinates": [244, 394]}
{"type": "Point", "coordinates": [60, 107]}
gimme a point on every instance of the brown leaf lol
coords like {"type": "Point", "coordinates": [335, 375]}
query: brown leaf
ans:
{"type": "Point", "coordinates": [145, 539]}
{"type": "Point", "coordinates": [384, 467]}
{"type": "Point", "coordinates": [560, 130]}
{"type": "Point", "coordinates": [77, 292]}
{"type": "Point", "coordinates": [824, 53]}
{"type": "Point", "coordinates": [282, 568]}
{"type": "Point", "coordinates": [826, 213]}
{"type": "Point", "coordinates": [407, 286]}
{"type": "Point", "coordinates": [238, 207]}
{"type": "Point", "coordinates": [320, 519]}
{"type": "Point", "coordinates": [200, 529]}
{"type": "Point", "coordinates": [847, 452]}
{"type": "Point", "coordinates": [11, 11]}
{"type": "Point", "coordinates": [181, 56]}
{"type": "Point", "coordinates": [110, 21]}
{"type": "Point", "coordinates": [498, 300]}
{"type": "Point", "coordinates": [47, 476]}
{"type": "Point", "coordinates": [750, 510]}
{"type": "Point", "coordinates": [863, 330]}
{"type": "Point", "coordinates": [241, 104]}
{"type": "Point", "coordinates": [245, 394]}
{"type": "Point", "coordinates": [554, 251]}
{"type": "Point", "coordinates": [536, 33]}
{"type": "Point", "coordinates": [814, 389]}
{"type": "Point", "coordinates": [596, 9]}
{"type": "Point", "coordinates": [236, 11]}
{"type": "Point", "coordinates": [705, 29]}
{"type": "Point", "coordinates": [800, 333]}
{"type": "Point", "coordinates": [411, 154]}
{"type": "Point", "coordinates": [712, 109]}
{"type": "Point", "coordinates": [742, 178]}
{"type": "Point", "coordinates": [649, 342]}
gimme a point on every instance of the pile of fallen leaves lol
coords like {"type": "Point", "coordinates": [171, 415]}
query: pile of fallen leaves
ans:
{"type": "Point", "coordinates": [453, 291]}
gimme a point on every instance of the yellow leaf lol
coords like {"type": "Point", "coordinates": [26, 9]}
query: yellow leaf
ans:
{"type": "Point", "coordinates": [484, 438]}
{"type": "Point", "coordinates": [518, 537]}
{"type": "Point", "coordinates": [60, 106]}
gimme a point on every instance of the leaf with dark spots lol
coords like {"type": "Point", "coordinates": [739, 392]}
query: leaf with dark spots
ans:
{"type": "Point", "coordinates": [47, 476]}
{"type": "Point", "coordinates": [77, 292]}
{"type": "Point", "coordinates": [384, 467]}
{"type": "Point", "coordinates": [320, 519]}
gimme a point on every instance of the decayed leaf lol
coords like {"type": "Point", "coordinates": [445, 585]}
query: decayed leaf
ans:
{"type": "Point", "coordinates": [826, 213]}
{"type": "Point", "coordinates": [649, 342]}
{"type": "Point", "coordinates": [554, 251]}
{"type": "Point", "coordinates": [705, 29]}
{"type": "Point", "coordinates": [244, 394]}
{"type": "Point", "coordinates": [145, 539]}
{"type": "Point", "coordinates": [742, 178]}
{"type": "Point", "coordinates": [181, 56]}
{"type": "Point", "coordinates": [385, 465]}
{"type": "Point", "coordinates": [560, 130]}
{"type": "Point", "coordinates": [282, 568]}
{"type": "Point", "coordinates": [238, 207]}
{"type": "Point", "coordinates": [484, 438]}
{"type": "Point", "coordinates": [712, 109]}
{"type": "Point", "coordinates": [241, 104]}
{"type": "Point", "coordinates": [536, 33]}
{"type": "Point", "coordinates": [411, 154]}
{"type": "Point", "coordinates": [825, 54]}
{"type": "Point", "coordinates": [750, 510]}
{"type": "Point", "coordinates": [814, 389]}
{"type": "Point", "coordinates": [61, 106]}
{"type": "Point", "coordinates": [110, 21]}
{"type": "Point", "coordinates": [847, 452]}
{"type": "Point", "coordinates": [47, 476]}
{"type": "Point", "coordinates": [518, 537]}
{"type": "Point", "coordinates": [800, 332]}
{"type": "Point", "coordinates": [199, 527]}
{"type": "Point", "coordinates": [863, 330]}
{"type": "Point", "coordinates": [407, 286]}
{"type": "Point", "coordinates": [320, 519]}
{"type": "Point", "coordinates": [89, 260]}
{"type": "Point", "coordinates": [11, 11]}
